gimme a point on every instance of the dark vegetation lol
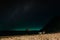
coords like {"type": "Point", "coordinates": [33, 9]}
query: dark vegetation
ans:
{"type": "Point", "coordinates": [53, 26]}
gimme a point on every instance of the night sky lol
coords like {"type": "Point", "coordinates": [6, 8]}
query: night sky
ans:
{"type": "Point", "coordinates": [25, 14]}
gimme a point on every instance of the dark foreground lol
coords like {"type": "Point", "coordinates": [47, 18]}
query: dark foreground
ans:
{"type": "Point", "coordinates": [9, 33]}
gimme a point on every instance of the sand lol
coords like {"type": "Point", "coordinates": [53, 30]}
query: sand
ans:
{"type": "Point", "coordinates": [53, 36]}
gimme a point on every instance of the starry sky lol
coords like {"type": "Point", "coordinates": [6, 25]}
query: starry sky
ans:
{"type": "Point", "coordinates": [25, 14]}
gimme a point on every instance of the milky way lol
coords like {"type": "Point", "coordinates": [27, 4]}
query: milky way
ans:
{"type": "Point", "coordinates": [25, 13]}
